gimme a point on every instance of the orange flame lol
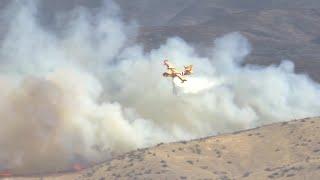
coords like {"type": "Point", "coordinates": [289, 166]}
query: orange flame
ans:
{"type": "Point", "coordinates": [5, 173]}
{"type": "Point", "coordinates": [78, 167]}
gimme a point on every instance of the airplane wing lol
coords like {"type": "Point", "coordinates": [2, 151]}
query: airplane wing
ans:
{"type": "Point", "coordinates": [168, 64]}
{"type": "Point", "coordinates": [170, 71]}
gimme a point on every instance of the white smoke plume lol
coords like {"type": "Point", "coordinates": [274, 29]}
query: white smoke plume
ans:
{"type": "Point", "coordinates": [82, 94]}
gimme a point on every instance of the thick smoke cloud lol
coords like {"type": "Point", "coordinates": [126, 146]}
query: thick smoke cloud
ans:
{"type": "Point", "coordinates": [84, 92]}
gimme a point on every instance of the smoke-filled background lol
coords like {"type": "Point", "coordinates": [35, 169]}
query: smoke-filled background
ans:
{"type": "Point", "coordinates": [80, 90]}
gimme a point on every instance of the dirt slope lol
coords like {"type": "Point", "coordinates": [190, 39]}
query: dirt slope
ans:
{"type": "Point", "coordinates": [289, 150]}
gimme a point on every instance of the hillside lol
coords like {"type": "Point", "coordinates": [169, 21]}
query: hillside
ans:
{"type": "Point", "coordinates": [288, 150]}
{"type": "Point", "coordinates": [277, 30]}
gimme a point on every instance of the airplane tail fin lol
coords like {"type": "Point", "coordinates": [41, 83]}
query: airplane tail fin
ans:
{"type": "Point", "coordinates": [188, 69]}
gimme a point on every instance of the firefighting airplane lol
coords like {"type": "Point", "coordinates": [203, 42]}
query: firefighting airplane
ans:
{"type": "Point", "coordinates": [173, 72]}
